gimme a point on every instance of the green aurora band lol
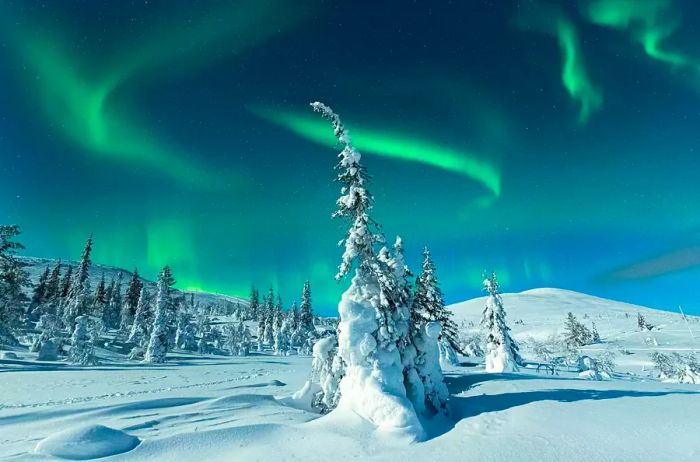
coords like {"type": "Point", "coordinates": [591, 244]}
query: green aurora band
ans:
{"type": "Point", "coordinates": [573, 73]}
{"type": "Point", "coordinates": [392, 145]}
{"type": "Point", "coordinates": [649, 22]}
{"type": "Point", "coordinates": [82, 106]}
{"type": "Point", "coordinates": [549, 19]}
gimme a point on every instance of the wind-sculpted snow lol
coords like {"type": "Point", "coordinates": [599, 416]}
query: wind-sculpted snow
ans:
{"type": "Point", "coordinates": [87, 442]}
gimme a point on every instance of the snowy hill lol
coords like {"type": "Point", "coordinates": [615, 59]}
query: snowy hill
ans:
{"type": "Point", "coordinates": [36, 266]}
{"type": "Point", "coordinates": [540, 313]}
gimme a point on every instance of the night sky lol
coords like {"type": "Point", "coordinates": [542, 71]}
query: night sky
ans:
{"type": "Point", "coordinates": [556, 143]}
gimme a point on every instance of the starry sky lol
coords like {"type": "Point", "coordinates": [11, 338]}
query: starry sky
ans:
{"type": "Point", "coordinates": [553, 142]}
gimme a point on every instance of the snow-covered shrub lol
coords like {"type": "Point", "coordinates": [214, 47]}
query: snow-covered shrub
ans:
{"type": "Point", "coordinates": [676, 367]}
{"type": "Point", "coordinates": [544, 350]}
{"type": "Point", "coordinates": [470, 342]}
{"type": "Point", "coordinates": [606, 363]}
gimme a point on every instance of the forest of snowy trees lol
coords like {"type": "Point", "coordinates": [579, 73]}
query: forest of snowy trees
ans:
{"type": "Point", "coordinates": [63, 317]}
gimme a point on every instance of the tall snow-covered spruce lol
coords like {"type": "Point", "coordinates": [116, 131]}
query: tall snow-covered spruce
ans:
{"type": "Point", "coordinates": [501, 350]}
{"type": "Point", "coordinates": [370, 329]}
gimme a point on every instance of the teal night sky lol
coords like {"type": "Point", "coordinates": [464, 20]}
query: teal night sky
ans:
{"type": "Point", "coordinates": [554, 142]}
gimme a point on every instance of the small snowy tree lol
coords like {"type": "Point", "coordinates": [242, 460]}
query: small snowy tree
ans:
{"type": "Point", "coordinates": [244, 337]}
{"type": "Point", "coordinates": [575, 333]}
{"type": "Point", "coordinates": [99, 301]}
{"type": "Point", "coordinates": [140, 327]}
{"type": "Point", "coordinates": [269, 310]}
{"type": "Point", "coordinates": [254, 304]}
{"type": "Point", "coordinates": [82, 350]}
{"type": "Point", "coordinates": [280, 341]}
{"type": "Point", "coordinates": [428, 368]}
{"type": "Point", "coordinates": [112, 313]}
{"type": "Point", "coordinates": [158, 343]}
{"type": "Point", "coordinates": [48, 325]}
{"type": "Point", "coordinates": [429, 304]}
{"type": "Point", "coordinates": [501, 350]}
{"type": "Point", "coordinates": [642, 323]}
{"type": "Point", "coordinates": [327, 371]}
{"type": "Point", "coordinates": [185, 335]}
{"type": "Point", "coordinates": [38, 295]}
{"type": "Point", "coordinates": [131, 301]}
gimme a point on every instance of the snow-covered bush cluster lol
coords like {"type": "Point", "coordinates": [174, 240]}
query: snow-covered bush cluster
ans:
{"type": "Point", "coordinates": [675, 367]}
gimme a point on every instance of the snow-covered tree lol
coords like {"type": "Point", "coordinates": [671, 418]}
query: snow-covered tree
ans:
{"type": "Point", "coordinates": [140, 327]}
{"type": "Point", "coordinates": [113, 308]}
{"type": "Point", "coordinates": [53, 288]}
{"type": "Point", "coordinates": [676, 367]}
{"type": "Point", "coordinates": [642, 323]}
{"type": "Point", "coordinates": [575, 333]}
{"type": "Point", "coordinates": [244, 338]}
{"type": "Point", "coordinates": [501, 350]}
{"type": "Point", "coordinates": [253, 307]}
{"type": "Point", "coordinates": [448, 355]}
{"type": "Point", "coordinates": [158, 343]}
{"type": "Point", "coordinates": [427, 365]}
{"type": "Point", "coordinates": [373, 382]}
{"type": "Point", "coordinates": [131, 301]}
{"type": "Point", "coordinates": [82, 350]}
{"type": "Point", "coordinates": [48, 325]}
{"type": "Point", "coordinates": [280, 340]}
{"type": "Point", "coordinates": [66, 283]}
{"type": "Point", "coordinates": [429, 304]}
{"type": "Point", "coordinates": [78, 303]}
{"type": "Point", "coordinates": [268, 317]}
{"type": "Point", "coordinates": [99, 301]}
{"type": "Point", "coordinates": [306, 314]}
{"type": "Point", "coordinates": [39, 294]}
{"type": "Point", "coordinates": [13, 280]}
{"type": "Point", "coordinates": [327, 370]}
{"type": "Point", "coordinates": [595, 336]}
{"type": "Point", "coordinates": [185, 335]}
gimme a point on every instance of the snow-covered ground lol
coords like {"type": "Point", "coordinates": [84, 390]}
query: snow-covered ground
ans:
{"type": "Point", "coordinates": [211, 408]}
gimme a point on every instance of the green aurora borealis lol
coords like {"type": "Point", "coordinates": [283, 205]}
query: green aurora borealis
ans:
{"type": "Point", "coordinates": [554, 142]}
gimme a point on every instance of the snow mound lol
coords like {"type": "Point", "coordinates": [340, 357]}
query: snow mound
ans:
{"type": "Point", "coordinates": [87, 442]}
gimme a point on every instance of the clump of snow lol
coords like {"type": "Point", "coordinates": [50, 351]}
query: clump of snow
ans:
{"type": "Point", "coordinates": [87, 442]}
